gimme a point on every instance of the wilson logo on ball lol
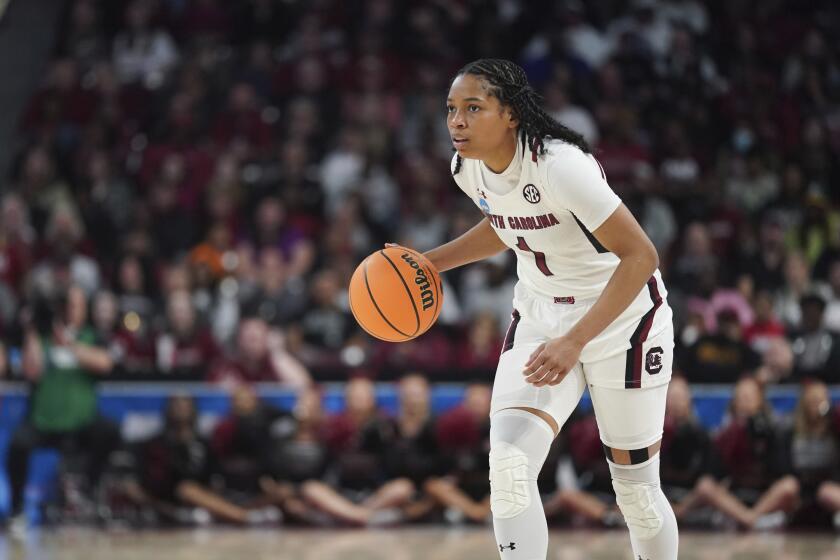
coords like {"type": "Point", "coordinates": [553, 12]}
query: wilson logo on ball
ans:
{"type": "Point", "coordinates": [395, 294]}
{"type": "Point", "coordinates": [426, 295]}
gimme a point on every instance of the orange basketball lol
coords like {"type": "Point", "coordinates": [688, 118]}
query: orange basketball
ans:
{"type": "Point", "coordinates": [395, 294]}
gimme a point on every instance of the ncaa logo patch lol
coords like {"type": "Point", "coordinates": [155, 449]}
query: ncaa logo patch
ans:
{"type": "Point", "coordinates": [653, 360]}
{"type": "Point", "coordinates": [531, 193]}
{"type": "Point", "coordinates": [483, 205]}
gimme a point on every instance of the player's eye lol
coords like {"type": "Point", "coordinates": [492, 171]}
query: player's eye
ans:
{"type": "Point", "coordinates": [473, 108]}
{"type": "Point", "coordinates": [450, 109]}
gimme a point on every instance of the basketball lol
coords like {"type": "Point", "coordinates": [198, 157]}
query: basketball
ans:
{"type": "Point", "coordinates": [396, 294]}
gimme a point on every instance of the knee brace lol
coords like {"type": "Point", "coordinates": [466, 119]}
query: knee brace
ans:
{"type": "Point", "coordinates": [509, 492]}
{"type": "Point", "coordinates": [640, 498]}
{"type": "Point", "coordinates": [519, 443]}
{"type": "Point", "coordinates": [637, 502]}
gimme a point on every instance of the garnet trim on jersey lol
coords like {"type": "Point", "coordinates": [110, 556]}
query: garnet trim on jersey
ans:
{"type": "Point", "coordinates": [511, 332]}
{"type": "Point", "coordinates": [633, 366]}
{"type": "Point", "coordinates": [595, 243]}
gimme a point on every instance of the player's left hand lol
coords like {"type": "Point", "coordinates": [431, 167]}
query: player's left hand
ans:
{"type": "Point", "coordinates": [551, 361]}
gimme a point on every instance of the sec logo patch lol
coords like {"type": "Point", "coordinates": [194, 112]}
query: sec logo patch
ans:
{"type": "Point", "coordinates": [531, 193]}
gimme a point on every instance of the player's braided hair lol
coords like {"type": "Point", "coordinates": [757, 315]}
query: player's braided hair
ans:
{"type": "Point", "coordinates": [509, 84]}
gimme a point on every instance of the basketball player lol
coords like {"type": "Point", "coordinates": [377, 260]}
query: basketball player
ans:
{"type": "Point", "coordinates": [589, 308]}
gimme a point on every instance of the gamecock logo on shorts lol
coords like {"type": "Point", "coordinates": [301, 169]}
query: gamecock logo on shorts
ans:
{"type": "Point", "coordinates": [653, 360]}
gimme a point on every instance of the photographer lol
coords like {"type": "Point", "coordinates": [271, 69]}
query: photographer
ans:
{"type": "Point", "coordinates": [61, 361]}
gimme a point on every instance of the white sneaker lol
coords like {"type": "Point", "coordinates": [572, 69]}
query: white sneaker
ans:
{"type": "Point", "coordinates": [770, 521]}
{"type": "Point", "coordinates": [19, 526]}
{"type": "Point", "coordinates": [265, 516]}
{"type": "Point", "coordinates": [454, 516]}
{"type": "Point", "coordinates": [385, 517]}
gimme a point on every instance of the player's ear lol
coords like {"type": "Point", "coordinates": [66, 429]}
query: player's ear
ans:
{"type": "Point", "coordinates": [511, 119]}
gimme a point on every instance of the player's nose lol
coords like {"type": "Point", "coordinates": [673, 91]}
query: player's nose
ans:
{"type": "Point", "coordinates": [457, 120]}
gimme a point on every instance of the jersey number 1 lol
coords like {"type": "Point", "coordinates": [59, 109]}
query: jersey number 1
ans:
{"type": "Point", "coordinates": [539, 257]}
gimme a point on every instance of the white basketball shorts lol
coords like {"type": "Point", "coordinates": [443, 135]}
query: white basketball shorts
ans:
{"type": "Point", "coordinates": [629, 359]}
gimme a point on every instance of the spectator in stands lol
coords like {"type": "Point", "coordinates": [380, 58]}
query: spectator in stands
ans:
{"type": "Point", "coordinates": [186, 348]}
{"type": "Point", "coordinates": [695, 258]}
{"type": "Point", "coordinates": [776, 363]}
{"type": "Point", "coordinates": [83, 39]}
{"type": "Point", "coordinates": [766, 327]}
{"type": "Point", "coordinates": [758, 491]}
{"type": "Point", "coordinates": [327, 323]}
{"type": "Point", "coordinates": [688, 457]}
{"type": "Point", "coordinates": [463, 437]}
{"type": "Point", "coordinates": [720, 357]}
{"type": "Point", "coordinates": [142, 52]}
{"type": "Point", "coordinates": [127, 341]}
{"type": "Point", "coordinates": [752, 184]}
{"type": "Point", "coordinates": [210, 259]}
{"type": "Point", "coordinates": [298, 459]}
{"type": "Point", "coordinates": [260, 356]}
{"type": "Point", "coordinates": [765, 265]}
{"type": "Point", "coordinates": [798, 284]}
{"type": "Point", "coordinates": [276, 297]}
{"type": "Point", "coordinates": [832, 310]}
{"type": "Point", "coordinates": [134, 288]}
{"type": "Point", "coordinates": [243, 442]}
{"type": "Point", "coordinates": [17, 240]}
{"type": "Point", "coordinates": [413, 453]}
{"type": "Point", "coordinates": [359, 438]}
{"type": "Point", "coordinates": [272, 229]}
{"type": "Point", "coordinates": [65, 263]}
{"type": "Point", "coordinates": [175, 468]}
{"type": "Point", "coordinates": [243, 123]}
{"type": "Point", "coordinates": [815, 450]}
{"type": "Point", "coordinates": [477, 355]}
{"type": "Point", "coordinates": [61, 108]}
{"type": "Point", "coordinates": [105, 203]}
{"type": "Point", "coordinates": [816, 350]}
{"type": "Point", "coordinates": [488, 287]}
{"type": "Point", "coordinates": [583, 478]}
{"type": "Point", "coordinates": [62, 362]}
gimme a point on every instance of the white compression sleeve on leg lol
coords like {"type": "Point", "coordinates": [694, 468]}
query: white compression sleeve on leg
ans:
{"type": "Point", "coordinates": [649, 516]}
{"type": "Point", "coordinates": [519, 444]}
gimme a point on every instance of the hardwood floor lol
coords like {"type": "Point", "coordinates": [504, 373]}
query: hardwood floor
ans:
{"type": "Point", "coordinates": [398, 544]}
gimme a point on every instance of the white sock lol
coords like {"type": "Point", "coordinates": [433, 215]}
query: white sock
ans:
{"type": "Point", "coordinates": [653, 528]}
{"type": "Point", "coordinates": [519, 444]}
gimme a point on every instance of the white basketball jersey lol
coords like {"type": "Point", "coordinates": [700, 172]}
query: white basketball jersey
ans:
{"type": "Point", "coordinates": [547, 219]}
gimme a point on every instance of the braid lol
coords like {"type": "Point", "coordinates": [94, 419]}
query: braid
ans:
{"type": "Point", "coordinates": [509, 84]}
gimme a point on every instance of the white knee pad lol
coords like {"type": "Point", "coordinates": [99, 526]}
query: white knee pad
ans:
{"type": "Point", "coordinates": [519, 443]}
{"type": "Point", "coordinates": [640, 498]}
{"type": "Point", "coordinates": [638, 503]}
{"type": "Point", "coordinates": [509, 494]}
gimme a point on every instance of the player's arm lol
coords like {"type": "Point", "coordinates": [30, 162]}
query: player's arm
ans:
{"type": "Point", "coordinates": [477, 244]}
{"type": "Point", "coordinates": [622, 235]}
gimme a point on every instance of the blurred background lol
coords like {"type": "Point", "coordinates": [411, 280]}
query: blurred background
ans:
{"type": "Point", "coordinates": [186, 187]}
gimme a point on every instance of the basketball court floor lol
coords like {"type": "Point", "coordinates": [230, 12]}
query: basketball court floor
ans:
{"type": "Point", "coordinates": [397, 544]}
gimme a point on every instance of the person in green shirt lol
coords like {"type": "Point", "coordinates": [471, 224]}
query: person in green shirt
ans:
{"type": "Point", "coordinates": [62, 361]}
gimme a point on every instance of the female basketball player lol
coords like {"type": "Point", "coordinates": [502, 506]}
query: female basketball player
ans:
{"type": "Point", "coordinates": [589, 307]}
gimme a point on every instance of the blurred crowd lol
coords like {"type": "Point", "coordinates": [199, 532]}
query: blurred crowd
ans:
{"type": "Point", "coordinates": [196, 180]}
{"type": "Point", "coordinates": [262, 465]}
{"type": "Point", "coordinates": [209, 174]}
